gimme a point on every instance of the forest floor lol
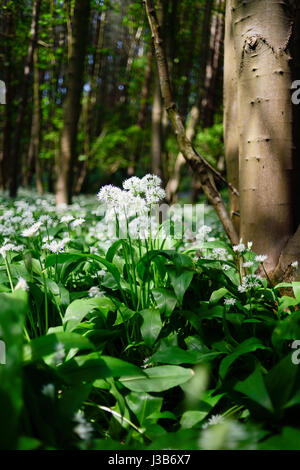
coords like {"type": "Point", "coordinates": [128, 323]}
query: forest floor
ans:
{"type": "Point", "coordinates": [142, 341]}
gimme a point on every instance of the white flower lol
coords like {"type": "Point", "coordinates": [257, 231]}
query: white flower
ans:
{"type": "Point", "coordinates": [225, 267]}
{"type": "Point", "coordinates": [78, 222]}
{"type": "Point", "coordinates": [55, 246]}
{"type": "Point", "coordinates": [95, 292]}
{"type": "Point", "coordinates": [154, 195]}
{"type": "Point", "coordinates": [60, 353]}
{"type": "Point", "coordinates": [240, 247]}
{"type": "Point", "coordinates": [134, 185]}
{"type": "Point", "coordinates": [29, 232]}
{"type": "Point", "coordinates": [260, 258]}
{"type": "Point", "coordinates": [203, 232]}
{"type": "Point", "coordinates": [83, 429]}
{"type": "Point", "coordinates": [215, 419]}
{"type": "Point", "coordinates": [229, 301]}
{"type": "Point", "coordinates": [67, 218]}
{"type": "Point", "coordinates": [242, 288]}
{"type": "Point", "coordinates": [295, 264]}
{"type": "Point", "coordinates": [101, 273]}
{"type": "Point", "coordinates": [149, 181]}
{"type": "Point", "coordinates": [49, 390]}
{"type": "Point", "coordinates": [45, 219]}
{"type": "Point", "coordinates": [110, 195]}
{"type": "Point", "coordinates": [248, 264]}
{"type": "Point", "coordinates": [22, 284]}
{"type": "Point", "coordinates": [249, 245]}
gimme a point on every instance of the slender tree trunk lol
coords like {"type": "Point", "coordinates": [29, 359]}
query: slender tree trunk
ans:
{"type": "Point", "coordinates": [156, 131]}
{"type": "Point", "coordinates": [190, 60]}
{"type": "Point", "coordinates": [89, 105]}
{"type": "Point", "coordinates": [72, 103]}
{"type": "Point", "coordinates": [194, 116]}
{"type": "Point", "coordinates": [15, 157]}
{"type": "Point", "coordinates": [231, 135]}
{"type": "Point", "coordinates": [142, 114]}
{"type": "Point", "coordinates": [265, 130]}
{"type": "Point", "coordinates": [213, 65]}
{"type": "Point", "coordinates": [7, 131]}
{"type": "Point", "coordinates": [34, 146]}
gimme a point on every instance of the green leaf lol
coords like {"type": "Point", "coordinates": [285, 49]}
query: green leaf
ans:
{"type": "Point", "coordinates": [88, 368]}
{"type": "Point", "coordinates": [113, 250]}
{"type": "Point", "coordinates": [191, 418]}
{"type": "Point", "coordinates": [144, 406]}
{"type": "Point", "coordinates": [247, 346]}
{"type": "Point", "coordinates": [218, 294]}
{"type": "Point", "coordinates": [151, 326]}
{"type": "Point", "coordinates": [79, 308]}
{"type": "Point", "coordinates": [289, 439]}
{"type": "Point", "coordinates": [180, 282]}
{"type": "Point", "coordinates": [165, 300]}
{"type": "Point", "coordinates": [254, 388]}
{"type": "Point", "coordinates": [43, 346]}
{"type": "Point", "coordinates": [157, 379]}
{"type": "Point", "coordinates": [12, 318]}
{"type": "Point", "coordinates": [176, 355]}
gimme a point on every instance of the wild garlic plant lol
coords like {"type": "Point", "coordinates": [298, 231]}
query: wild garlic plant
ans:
{"type": "Point", "coordinates": [133, 225]}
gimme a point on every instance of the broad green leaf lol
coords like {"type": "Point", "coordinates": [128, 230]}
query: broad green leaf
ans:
{"type": "Point", "coordinates": [247, 346]}
{"type": "Point", "coordinates": [165, 300]}
{"type": "Point", "coordinates": [289, 439]}
{"type": "Point", "coordinates": [38, 348]}
{"type": "Point", "coordinates": [79, 308]}
{"type": "Point", "coordinates": [88, 368]}
{"type": "Point", "coordinates": [13, 309]}
{"type": "Point", "coordinates": [218, 294]}
{"type": "Point", "coordinates": [151, 325]}
{"type": "Point", "coordinates": [254, 388]}
{"type": "Point", "coordinates": [176, 355]}
{"type": "Point", "coordinates": [157, 379]}
{"type": "Point", "coordinates": [144, 405]}
{"type": "Point", "coordinates": [180, 282]}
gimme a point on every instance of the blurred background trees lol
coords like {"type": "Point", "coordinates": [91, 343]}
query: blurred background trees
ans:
{"type": "Point", "coordinates": [84, 105]}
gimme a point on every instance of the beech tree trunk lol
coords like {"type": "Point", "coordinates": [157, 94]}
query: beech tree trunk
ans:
{"type": "Point", "coordinates": [72, 104]}
{"type": "Point", "coordinates": [262, 30]}
{"type": "Point", "coordinates": [15, 155]}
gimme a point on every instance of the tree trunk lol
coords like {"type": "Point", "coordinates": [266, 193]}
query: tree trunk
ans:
{"type": "Point", "coordinates": [72, 104]}
{"type": "Point", "coordinates": [88, 107]}
{"type": "Point", "coordinates": [156, 131]}
{"type": "Point", "coordinates": [265, 130]}
{"type": "Point", "coordinates": [34, 146]}
{"type": "Point", "coordinates": [15, 157]}
{"type": "Point", "coordinates": [194, 115]}
{"type": "Point", "coordinates": [142, 114]}
{"type": "Point", "coordinates": [231, 135]}
{"type": "Point", "coordinates": [7, 131]}
{"type": "Point", "coordinates": [212, 67]}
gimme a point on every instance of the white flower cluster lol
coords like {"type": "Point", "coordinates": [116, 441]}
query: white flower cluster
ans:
{"type": "Point", "coordinates": [83, 428]}
{"type": "Point", "coordinates": [249, 282]}
{"type": "Point", "coordinates": [137, 196]}
{"type": "Point", "coordinates": [94, 291]}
